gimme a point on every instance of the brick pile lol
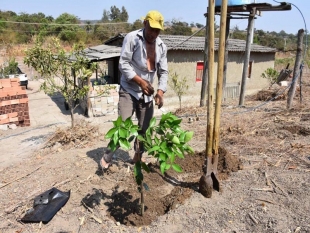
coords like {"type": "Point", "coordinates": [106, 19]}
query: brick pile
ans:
{"type": "Point", "coordinates": [13, 103]}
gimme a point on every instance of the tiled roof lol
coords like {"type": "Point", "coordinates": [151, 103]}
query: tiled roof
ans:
{"type": "Point", "coordinates": [197, 43]}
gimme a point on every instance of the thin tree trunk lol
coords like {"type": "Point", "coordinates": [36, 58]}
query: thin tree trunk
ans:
{"type": "Point", "coordinates": [180, 100]}
{"type": "Point", "coordinates": [291, 92]}
{"type": "Point", "coordinates": [71, 112]}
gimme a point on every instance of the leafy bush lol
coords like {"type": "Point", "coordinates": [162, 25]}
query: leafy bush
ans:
{"type": "Point", "coordinates": [164, 141]}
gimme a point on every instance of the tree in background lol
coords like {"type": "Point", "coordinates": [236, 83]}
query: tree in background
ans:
{"type": "Point", "coordinates": [178, 85]}
{"type": "Point", "coordinates": [67, 28]}
{"type": "Point", "coordinates": [178, 28]}
{"type": "Point", "coordinates": [270, 74]}
{"type": "Point", "coordinates": [59, 73]}
{"type": "Point", "coordinates": [137, 25]}
{"type": "Point", "coordinates": [10, 67]}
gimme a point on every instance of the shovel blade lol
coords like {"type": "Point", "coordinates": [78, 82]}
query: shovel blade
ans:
{"type": "Point", "coordinates": [206, 186]}
{"type": "Point", "coordinates": [215, 182]}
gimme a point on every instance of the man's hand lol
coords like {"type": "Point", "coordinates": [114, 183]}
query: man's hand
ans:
{"type": "Point", "coordinates": [147, 88]}
{"type": "Point", "coordinates": [159, 98]}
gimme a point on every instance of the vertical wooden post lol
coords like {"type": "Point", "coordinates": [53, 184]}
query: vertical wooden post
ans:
{"type": "Point", "coordinates": [247, 56]}
{"type": "Point", "coordinates": [291, 92]}
{"type": "Point", "coordinates": [219, 83]}
{"type": "Point", "coordinates": [203, 95]}
{"type": "Point", "coordinates": [226, 51]}
{"type": "Point", "coordinates": [210, 110]}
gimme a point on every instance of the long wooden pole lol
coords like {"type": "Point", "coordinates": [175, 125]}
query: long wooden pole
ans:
{"type": "Point", "coordinates": [210, 109]}
{"type": "Point", "coordinates": [219, 83]}
{"type": "Point", "coordinates": [291, 92]}
{"type": "Point", "coordinates": [247, 56]}
{"type": "Point", "coordinates": [203, 95]}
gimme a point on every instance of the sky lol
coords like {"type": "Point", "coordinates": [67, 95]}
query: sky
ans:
{"type": "Point", "coordinates": [186, 11]}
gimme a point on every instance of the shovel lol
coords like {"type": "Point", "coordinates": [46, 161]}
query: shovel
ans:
{"type": "Point", "coordinates": [209, 180]}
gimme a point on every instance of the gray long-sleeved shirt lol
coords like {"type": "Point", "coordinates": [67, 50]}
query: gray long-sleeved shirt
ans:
{"type": "Point", "coordinates": [133, 61]}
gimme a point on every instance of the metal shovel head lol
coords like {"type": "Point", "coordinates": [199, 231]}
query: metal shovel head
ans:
{"type": "Point", "coordinates": [206, 186]}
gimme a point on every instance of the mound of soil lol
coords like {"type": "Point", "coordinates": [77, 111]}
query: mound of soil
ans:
{"type": "Point", "coordinates": [165, 192]}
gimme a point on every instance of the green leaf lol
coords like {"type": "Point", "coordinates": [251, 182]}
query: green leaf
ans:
{"type": "Point", "coordinates": [175, 140]}
{"type": "Point", "coordinates": [160, 131]}
{"type": "Point", "coordinates": [178, 153]}
{"type": "Point", "coordinates": [191, 150]}
{"type": "Point", "coordinates": [188, 136]}
{"type": "Point", "coordinates": [145, 167]}
{"type": "Point", "coordinates": [115, 137]}
{"type": "Point", "coordinates": [141, 138]}
{"type": "Point", "coordinates": [172, 158]}
{"type": "Point", "coordinates": [156, 140]}
{"type": "Point", "coordinates": [128, 122]}
{"type": "Point", "coordinates": [148, 139]}
{"type": "Point", "coordinates": [124, 143]}
{"type": "Point", "coordinates": [177, 168]}
{"type": "Point", "coordinates": [112, 145]}
{"type": "Point", "coordinates": [133, 131]}
{"type": "Point", "coordinates": [155, 148]}
{"type": "Point", "coordinates": [122, 133]}
{"type": "Point", "coordinates": [182, 137]}
{"type": "Point", "coordinates": [110, 133]}
{"type": "Point", "coordinates": [163, 145]}
{"type": "Point", "coordinates": [166, 151]}
{"type": "Point", "coordinates": [162, 167]}
{"type": "Point", "coordinates": [118, 122]}
{"type": "Point", "coordinates": [163, 157]}
{"type": "Point", "coordinates": [176, 122]}
{"type": "Point", "coordinates": [152, 122]}
{"type": "Point", "coordinates": [164, 117]}
{"type": "Point", "coordinates": [178, 130]}
{"type": "Point", "coordinates": [167, 167]}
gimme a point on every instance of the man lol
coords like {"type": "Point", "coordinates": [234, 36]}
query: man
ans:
{"type": "Point", "coordinates": [142, 56]}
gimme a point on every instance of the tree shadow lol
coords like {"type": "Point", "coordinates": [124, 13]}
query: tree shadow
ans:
{"type": "Point", "coordinates": [120, 204]}
{"type": "Point", "coordinates": [59, 100]}
{"type": "Point", "coordinates": [173, 181]}
{"type": "Point", "coordinates": [119, 158]}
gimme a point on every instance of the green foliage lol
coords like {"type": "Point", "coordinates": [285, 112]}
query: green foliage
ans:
{"type": "Point", "coordinates": [59, 71]}
{"type": "Point", "coordinates": [167, 140]}
{"type": "Point", "coordinates": [164, 141]}
{"type": "Point", "coordinates": [179, 85]}
{"type": "Point", "coordinates": [10, 68]}
{"type": "Point", "coordinates": [122, 133]}
{"type": "Point", "coordinates": [178, 28]}
{"type": "Point", "coordinates": [271, 74]}
{"type": "Point", "coordinates": [284, 61]}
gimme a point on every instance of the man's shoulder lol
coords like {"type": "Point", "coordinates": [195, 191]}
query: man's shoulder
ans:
{"type": "Point", "coordinates": [160, 42]}
{"type": "Point", "coordinates": [135, 33]}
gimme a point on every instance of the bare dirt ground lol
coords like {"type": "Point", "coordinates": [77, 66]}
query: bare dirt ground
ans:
{"type": "Point", "coordinates": [264, 170]}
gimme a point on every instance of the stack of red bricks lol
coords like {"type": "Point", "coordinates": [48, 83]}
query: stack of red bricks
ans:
{"type": "Point", "coordinates": [13, 103]}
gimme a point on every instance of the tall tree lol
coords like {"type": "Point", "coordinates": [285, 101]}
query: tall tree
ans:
{"type": "Point", "coordinates": [124, 15]}
{"type": "Point", "coordinates": [59, 73]}
{"type": "Point", "coordinates": [115, 14]}
{"type": "Point", "coordinates": [105, 16]}
{"type": "Point", "coordinates": [67, 31]}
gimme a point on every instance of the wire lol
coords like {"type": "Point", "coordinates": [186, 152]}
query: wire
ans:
{"type": "Point", "coordinates": [62, 24]}
{"type": "Point", "coordinates": [305, 24]}
{"type": "Point", "coordinates": [188, 38]}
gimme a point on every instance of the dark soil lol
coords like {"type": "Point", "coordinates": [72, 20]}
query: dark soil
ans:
{"type": "Point", "coordinates": [166, 192]}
